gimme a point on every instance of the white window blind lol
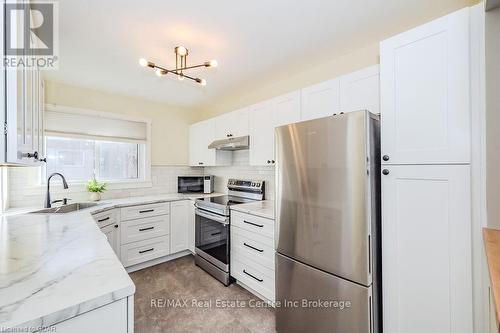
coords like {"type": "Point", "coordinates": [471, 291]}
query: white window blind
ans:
{"type": "Point", "coordinates": [94, 126]}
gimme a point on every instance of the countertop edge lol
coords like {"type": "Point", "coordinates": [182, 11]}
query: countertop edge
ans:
{"type": "Point", "coordinates": [492, 248]}
{"type": "Point", "coordinates": [252, 212]}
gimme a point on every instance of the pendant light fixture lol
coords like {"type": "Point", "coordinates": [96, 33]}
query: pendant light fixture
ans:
{"type": "Point", "coordinates": [181, 54]}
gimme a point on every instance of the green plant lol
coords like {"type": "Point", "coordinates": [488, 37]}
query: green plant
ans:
{"type": "Point", "coordinates": [94, 186]}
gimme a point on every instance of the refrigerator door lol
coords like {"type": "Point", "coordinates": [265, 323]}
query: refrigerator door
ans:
{"type": "Point", "coordinates": [299, 290]}
{"type": "Point", "coordinates": [324, 199]}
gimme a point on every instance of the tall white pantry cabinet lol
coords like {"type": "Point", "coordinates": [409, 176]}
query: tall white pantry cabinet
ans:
{"type": "Point", "coordinates": [426, 189]}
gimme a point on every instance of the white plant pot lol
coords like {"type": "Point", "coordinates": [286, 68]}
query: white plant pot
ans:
{"type": "Point", "coordinates": [95, 196]}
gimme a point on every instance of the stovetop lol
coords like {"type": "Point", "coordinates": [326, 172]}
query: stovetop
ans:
{"type": "Point", "coordinates": [224, 200]}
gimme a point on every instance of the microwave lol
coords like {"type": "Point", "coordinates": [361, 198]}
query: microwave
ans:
{"type": "Point", "coordinates": [195, 184]}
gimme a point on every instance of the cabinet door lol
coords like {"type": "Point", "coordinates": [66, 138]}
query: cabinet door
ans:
{"type": "Point", "coordinates": [320, 100]}
{"type": "Point", "coordinates": [426, 249]}
{"type": "Point", "coordinates": [201, 135]}
{"type": "Point", "coordinates": [112, 233]}
{"type": "Point", "coordinates": [361, 91]}
{"type": "Point", "coordinates": [261, 134]}
{"type": "Point", "coordinates": [424, 75]}
{"type": "Point", "coordinates": [286, 109]}
{"type": "Point", "coordinates": [232, 124]}
{"type": "Point", "coordinates": [179, 220]}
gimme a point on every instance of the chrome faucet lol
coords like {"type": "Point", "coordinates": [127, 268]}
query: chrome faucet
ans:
{"type": "Point", "coordinates": [48, 204]}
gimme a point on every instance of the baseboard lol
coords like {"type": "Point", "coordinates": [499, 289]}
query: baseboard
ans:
{"type": "Point", "coordinates": [265, 299]}
{"type": "Point", "coordinates": [157, 261]}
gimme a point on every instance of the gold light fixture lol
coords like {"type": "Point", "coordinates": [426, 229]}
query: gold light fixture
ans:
{"type": "Point", "coordinates": [181, 54]}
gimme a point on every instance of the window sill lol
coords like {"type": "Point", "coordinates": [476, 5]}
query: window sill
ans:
{"type": "Point", "coordinates": [56, 188]}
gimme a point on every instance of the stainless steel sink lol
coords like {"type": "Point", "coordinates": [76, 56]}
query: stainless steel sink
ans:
{"type": "Point", "coordinates": [65, 208]}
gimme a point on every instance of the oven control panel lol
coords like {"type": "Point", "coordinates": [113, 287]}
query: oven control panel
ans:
{"type": "Point", "coordinates": [245, 184]}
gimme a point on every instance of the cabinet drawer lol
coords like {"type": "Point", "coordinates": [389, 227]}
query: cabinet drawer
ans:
{"type": "Point", "coordinates": [259, 225]}
{"type": "Point", "coordinates": [141, 251]}
{"type": "Point", "coordinates": [257, 277]}
{"type": "Point", "coordinates": [247, 245]}
{"type": "Point", "coordinates": [106, 218]}
{"type": "Point", "coordinates": [140, 229]}
{"type": "Point", "coordinates": [136, 212]}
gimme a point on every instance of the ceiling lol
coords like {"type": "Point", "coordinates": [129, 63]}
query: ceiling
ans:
{"type": "Point", "coordinates": [101, 41]}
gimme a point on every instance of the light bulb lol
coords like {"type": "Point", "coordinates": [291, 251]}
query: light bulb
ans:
{"type": "Point", "coordinates": [160, 72]}
{"type": "Point", "coordinates": [180, 77]}
{"type": "Point", "coordinates": [143, 62]}
{"type": "Point", "coordinates": [213, 63]}
{"type": "Point", "coordinates": [203, 82]}
{"type": "Point", "coordinates": [181, 50]}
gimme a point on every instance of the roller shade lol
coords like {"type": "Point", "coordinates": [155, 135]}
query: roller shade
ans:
{"type": "Point", "coordinates": [91, 125]}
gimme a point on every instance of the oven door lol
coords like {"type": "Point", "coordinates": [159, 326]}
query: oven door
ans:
{"type": "Point", "coordinates": [212, 238]}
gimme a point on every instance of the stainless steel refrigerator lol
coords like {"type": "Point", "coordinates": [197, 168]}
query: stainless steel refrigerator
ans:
{"type": "Point", "coordinates": [328, 235]}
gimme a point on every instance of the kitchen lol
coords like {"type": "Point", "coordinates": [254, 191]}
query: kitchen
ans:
{"type": "Point", "coordinates": [328, 176]}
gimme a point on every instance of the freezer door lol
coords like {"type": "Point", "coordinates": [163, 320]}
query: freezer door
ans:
{"type": "Point", "coordinates": [325, 203]}
{"type": "Point", "coordinates": [299, 289]}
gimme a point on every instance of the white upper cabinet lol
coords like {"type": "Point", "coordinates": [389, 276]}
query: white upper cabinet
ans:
{"type": "Point", "coordinates": [232, 124]}
{"type": "Point", "coordinates": [360, 90]}
{"type": "Point", "coordinates": [320, 100]}
{"type": "Point", "coordinates": [425, 93]}
{"type": "Point", "coordinates": [286, 109]}
{"type": "Point", "coordinates": [261, 134]}
{"type": "Point", "coordinates": [426, 249]}
{"type": "Point", "coordinates": [201, 134]}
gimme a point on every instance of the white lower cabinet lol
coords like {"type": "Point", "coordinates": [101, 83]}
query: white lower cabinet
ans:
{"type": "Point", "coordinates": [141, 251]}
{"type": "Point", "coordinates": [111, 318]}
{"type": "Point", "coordinates": [426, 249]}
{"type": "Point", "coordinates": [252, 253]}
{"type": "Point", "coordinates": [112, 233]}
{"type": "Point", "coordinates": [179, 225]}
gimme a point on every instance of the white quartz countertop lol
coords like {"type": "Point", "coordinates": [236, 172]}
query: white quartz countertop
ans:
{"type": "Point", "coordinates": [57, 266]}
{"type": "Point", "coordinates": [264, 208]}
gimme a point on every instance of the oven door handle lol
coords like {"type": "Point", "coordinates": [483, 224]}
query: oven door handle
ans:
{"type": "Point", "coordinates": [214, 217]}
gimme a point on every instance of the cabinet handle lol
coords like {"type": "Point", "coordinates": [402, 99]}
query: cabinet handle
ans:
{"type": "Point", "coordinates": [104, 219]}
{"type": "Point", "coordinates": [385, 172]}
{"type": "Point", "coordinates": [254, 224]}
{"type": "Point", "coordinates": [260, 280]}
{"type": "Point", "coordinates": [146, 211]}
{"type": "Point", "coordinates": [116, 225]}
{"type": "Point", "coordinates": [268, 161]}
{"type": "Point", "coordinates": [253, 248]}
{"type": "Point", "coordinates": [385, 157]}
{"type": "Point", "coordinates": [148, 250]}
{"type": "Point", "coordinates": [216, 233]}
{"type": "Point", "coordinates": [31, 155]}
{"type": "Point", "coordinates": [43, 159]}
{"type": "Point", "coordinates": [200, 163]}
{"type": "Point", "coordinates": [272, 161]}
{"type": "Point", "coordinates": [148, 228]}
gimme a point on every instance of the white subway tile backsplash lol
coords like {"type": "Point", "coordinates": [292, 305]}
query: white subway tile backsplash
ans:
{"type": "Point", "coordinates": [24, 188]}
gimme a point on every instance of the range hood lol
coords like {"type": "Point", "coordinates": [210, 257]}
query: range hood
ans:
{"type": "Point", "coordinates": [238, 143]}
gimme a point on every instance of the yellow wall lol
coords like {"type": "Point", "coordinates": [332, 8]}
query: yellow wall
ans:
{"type": "Point", "coordinates": [170, 125]}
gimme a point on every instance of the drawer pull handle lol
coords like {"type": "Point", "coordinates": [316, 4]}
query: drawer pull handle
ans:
{"type": "Point", "coordinates": [254, 224]}
{"type": "Point", "coordinates": [148, 250]}
{"type": "Point", "coordinates": [253, 248]}
{"type": "Point", "coordinates": [148, 228]}
{"type": "Point", "coordinates": [102, 220]}
{"type": "Point", "coordinates": [216, 233]}
{"type": "Point", "coordinates": [260, 280]}
{"type": "Point", "coordinates": [146, 211]}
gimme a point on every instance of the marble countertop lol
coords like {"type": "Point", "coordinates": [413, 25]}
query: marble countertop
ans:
{"type": "Point", "coordinates": [263, 208]}
{"type": "Point", "coordinates": [57, 266]}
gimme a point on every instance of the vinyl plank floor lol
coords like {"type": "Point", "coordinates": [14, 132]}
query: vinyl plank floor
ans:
{"type": "Point", "coordinates": [177, 296]}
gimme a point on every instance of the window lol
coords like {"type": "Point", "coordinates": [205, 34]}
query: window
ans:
{"type": "Point", "coordinates": [80, 159]}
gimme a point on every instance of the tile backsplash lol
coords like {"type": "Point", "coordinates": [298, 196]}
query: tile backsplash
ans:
{"type": "Point", "coordinates": [240, 169]}
{"type": "Point", "coordinates": [24, 189]}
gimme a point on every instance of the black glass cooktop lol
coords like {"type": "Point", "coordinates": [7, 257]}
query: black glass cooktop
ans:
{"type": "Point", "coordinates": [226, 200]}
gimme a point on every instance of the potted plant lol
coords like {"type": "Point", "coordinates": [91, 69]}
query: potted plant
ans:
{"type": "Point", "coordinates": [95, 188]}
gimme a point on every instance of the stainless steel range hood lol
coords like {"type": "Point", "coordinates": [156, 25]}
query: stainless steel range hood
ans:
{"type": "Point", "coordinates": [238, 143]}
